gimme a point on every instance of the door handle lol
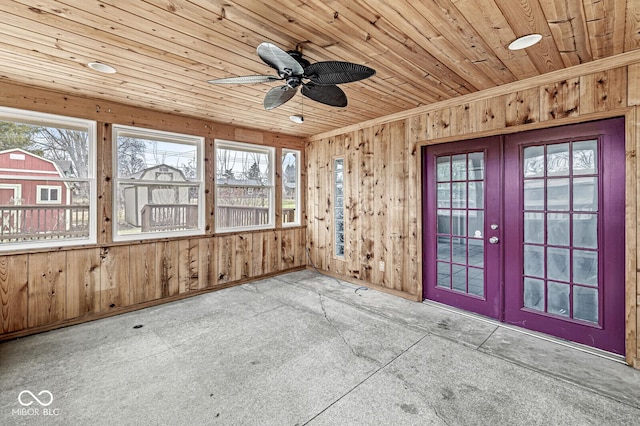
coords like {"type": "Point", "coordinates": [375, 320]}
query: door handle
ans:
{"type": "Point", "coordinates": [494, 240]}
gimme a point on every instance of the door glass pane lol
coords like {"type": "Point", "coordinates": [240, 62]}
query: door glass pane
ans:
{"type": "Point", "coordinates": [585, 230]}
{"type": "Point", "coordinates": [534, 261]}
{"type": "Point", "coordinates": [476, 252]}
{"type": "Point", "coordinates": [459, 167]}
{"type": "Point", "coordinates": [585, 267]}
{"type": "Point", "coordinates": [534, 161]}
{"type": "Point", "coordinates": [558, 264]}
{"type": "Point", "coordinates": [444, 275]}
{"type": "Point", "coordinates": [558, 194]}
{"type": "Point", "coordinates": [459, 278]}
{"type": "Point", "coordinates": [585, 194]}
{"type": "Point", "coordinates": [476, 223]}
{"type": "Point", "coordinates": [459, 195]}
{"type": "Point", "coordinates": [476, 166]}
{"type": "Point", "coordinates": [443, 166]}
{"type": "Point", "coordinates": [558, 298]}
{"type": "Point", "coordinates": [585, 157]}
{"type": "Point", "coordinates": [558, 159]}
{"type": "Point", "coordinates": [558, 229]}
{"type": "Point", "coordinates": [476, 281]}
{"type": "Point", "coordinates": [459, 222]}
{"type": "Point", "coordinates": [444, 195]}
{"type": "Point", "coordinates": [444, 222]}
{"type": "Point", "coordinates": [534, 294]}
{"type": "Point", "coordinates": [444, 248]}
{"type": "Point", "coordinates": [476, 195]}
{"type": "Point", "coordinates": [534, 194]}
{"type": "Point", "coordinates": [585, 303]}
{"type": "Point", "coordinates": [534, 228]}
{"type": "Point", "coordinates": [459, 250]}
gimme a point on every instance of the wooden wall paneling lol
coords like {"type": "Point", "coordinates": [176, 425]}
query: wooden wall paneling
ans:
{"type": "Point", "coordinates": [14, 292]}
{"type": "Point", "coordinates": [462, 119]}
{"type": "Point", "coordinates": [204, 258]}
{"type": "Point", "coordinates": [274, 250]}
{"type": "Point", "coordinates": [114, 278]}
{"type": "Point", "coordinates": [324, 177]}
{"type": "Point", "coordinates": [633, 85]}
{"type": "Point", "coordinates": [47, 285]}
{"type": "Point", "coordinates": [382, 199]}
{"type": "Point", "coordinates": [209, 186]}
{"type": "Point", "coordinates": [603, 91]}
{"type": "Point", "coordinates": [632, 238]}
{"type": "Point", "coordinates": [438, 123]}
{"type": "Point", "coordinates": [226, 258]}
{"type": "Point", "coordinates": [167, 267]}
{"type": "Point", "coordinates": [413, 261]}
{"type": "Point", "coordinates": [243, 254]}
{"type": "Point", "coordinates": [287, 248]}
{"type": "Point", "coordinates": [489, 113]}
{"type": "Point", "coordinates": [352, 211]}
{"type": "Point", "coordinates": [258, 263]}
{"type": "Point", "coordinates": [212, 265]}
{"type": "Point", "coordinates": [522, 107]}
{"type": "Point", "coordinates": [83, 282]}
{"type": "Point", "coordinates": [397, 221]}
{"type": "Point", "coordinates": [300, 244]}
{"type": "Point", "coordinates": [367, 190]}
{"type": "Point", "coordinates": [188, 265]}
{"type": "Point", "coordinates": [104, 174]}
{"type": "Point", "coordinates": [560, 99]}
{"type": "Point", "coordinates": [142, 273]}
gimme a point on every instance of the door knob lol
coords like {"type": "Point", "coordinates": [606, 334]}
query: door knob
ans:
{"type": "Point", "coordinates": [494, 240]}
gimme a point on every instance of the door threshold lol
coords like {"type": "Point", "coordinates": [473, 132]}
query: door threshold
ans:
{"type": "Point", "coordinates": [573, 345]}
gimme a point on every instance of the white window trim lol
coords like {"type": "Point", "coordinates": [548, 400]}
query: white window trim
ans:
{"type": "Point", "coordinates": [298, 154]}
{"type": "Point", "coordinates": [159, 135]}
{"type": "Point", "coordinates": [39, 199]}
{"type": "Point", "coordinates": [53, 120]}
{"type": "Point", "coordinates": [242, 146]}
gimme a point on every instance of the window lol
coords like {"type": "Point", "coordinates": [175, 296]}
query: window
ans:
{"type": "Point", "coordinates": [47, 180]}
{"type": "Point", "coordinates": [244, 186]}
{"type": "Point", "coordinates": [47, 194]}
{"type": "Point", "coordinates": [338, 203]}
{"type": "Point", "coordinates": [158, 190]}
{"type": "Point", "coordinates": [290, 187]}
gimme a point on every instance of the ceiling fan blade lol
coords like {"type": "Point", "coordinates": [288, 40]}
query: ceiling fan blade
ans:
{"type": "Point", "coordinates": [277, 96]}
{"type": "Point", "coordinates": [337, 72]}
{"type": "Point", "coordinates": [277, 58]}
{"type": "Point", "coordinates": [247, 79]}
{"type": "Point", "coordinates": [327, 94]}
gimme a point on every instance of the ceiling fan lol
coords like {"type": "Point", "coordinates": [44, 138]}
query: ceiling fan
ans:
{"type": "Point", "coordinates": [318, 80]}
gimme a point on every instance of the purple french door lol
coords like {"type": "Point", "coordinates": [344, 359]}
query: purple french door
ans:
{"type": "Point", "coordinates": [461, 232]}
{"type": "Point", "coordinates": [529, 229]}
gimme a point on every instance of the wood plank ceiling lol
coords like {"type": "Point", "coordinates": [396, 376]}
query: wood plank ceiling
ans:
{"type": "Point", "coordinates": [423, 51]}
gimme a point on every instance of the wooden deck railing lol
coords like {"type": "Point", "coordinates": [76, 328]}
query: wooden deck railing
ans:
{"type": "Point", "coordinates": [43, 222]}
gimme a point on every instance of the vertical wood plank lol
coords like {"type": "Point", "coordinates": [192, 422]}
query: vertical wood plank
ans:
{"type": "Point", "coordinates": [633, 82]}
{"type": "Point", "coordinates": [243, 243]}
{"type": "Point", "coordinates": [209, 185]}
{"type": "Point", "coordinates": [114, 278]}
{"type": "Point", "coordinates": [632, 291]}
{"type": "Point", "coordinates": [13, 292]}
{"type": "Point", "coordinates": [559, 100]}
{"type": "Point", "coordinates": [287, 249]}
{"type": "Point", "coordinates": [413, 259]}
{"type": "Point", "coordinates": [462, 120]}
{"type": "Point", "coordinates": [83, 282]}
{"type": "Point", "coordinates": [204, 258]}
{"type": "Point", "coordinates": [397, 221]}
{"type": "Point", "coordinates": [142, 272]}
{"type": "Point", "coordinates": [104, 174]}
{"type": "Point", "coordinates": [167, 261]}
{"type": "Point", "coordinates": [212, 270]}
{"type": "Point", "coordinates": [382, 198]}
{"type": "Point", "coordinates": [226, 259]}
{"type": "Point", "coordinates": [603, 91]}
{"type": "Point", "coordinates": [438, 123]}
{"type": "Point", "coordinates": [352, 211]}
{"type": "Point", "coordinates": [258, 258]}
{"type": "Point", "coordinates": [366, 235]}
{"type": "Point", "coordinates": [47, 283]}
{"type": "Point", "coordinates": [522, 107]}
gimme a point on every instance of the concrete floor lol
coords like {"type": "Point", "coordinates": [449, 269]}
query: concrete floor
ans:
{"type": "Point", "coordinates": [303, 348]}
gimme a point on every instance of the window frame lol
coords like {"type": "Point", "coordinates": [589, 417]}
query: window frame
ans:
{"type": "Point", "coordinates": [298, 155]}
{"type": "Point", "coordinates": [270, 151]}
{"type": "Point", "coordinates": [160, 136]}
{"type": "Point", "coordinates": [69, 123]}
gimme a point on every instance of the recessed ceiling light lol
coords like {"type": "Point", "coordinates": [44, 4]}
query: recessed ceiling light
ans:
{"type": "Point", "coordinates": [297, 119]}
{"type": "Point", "coordinates": [525, 41]}
{"type": "Point", "coordinates": [104, 68]}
